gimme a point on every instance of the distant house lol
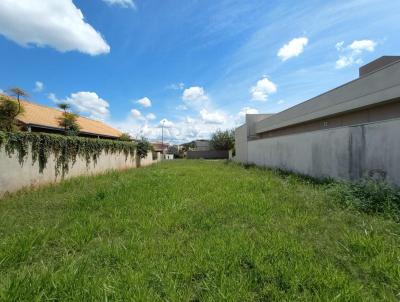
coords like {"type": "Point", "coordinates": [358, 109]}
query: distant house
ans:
{"type": "Point", "coordinates": [159, 147]}
{"type": "Point", "coordinates": [202, 145]}
{"type": "Point", "coordinates": [39, 118]}
{"type": "Point", "coordinates": [202, 148]}
{"type": "Point", "coordinates": [197, 145]}
{"type": "Point", "coordinates": [168, 156]}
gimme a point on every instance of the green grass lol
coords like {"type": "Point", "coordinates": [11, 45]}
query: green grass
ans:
{"type": "Point", "coordinates": [194, 231]}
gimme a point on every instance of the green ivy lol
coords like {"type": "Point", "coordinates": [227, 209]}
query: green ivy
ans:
{"type": "Point", "coordinates": [65, 149]}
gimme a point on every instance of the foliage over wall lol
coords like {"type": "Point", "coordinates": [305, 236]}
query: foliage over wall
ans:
{"type": "Point", "coordinates": [66, 149]}
{"type": "Point", "coordinates": [143, 147]}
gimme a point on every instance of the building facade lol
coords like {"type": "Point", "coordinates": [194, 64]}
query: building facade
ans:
{"type": "Point", "coordinates": [350, 132]}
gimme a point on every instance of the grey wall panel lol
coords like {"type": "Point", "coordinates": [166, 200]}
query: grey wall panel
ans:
{"type": "Point", "coordinates": [347, 153]}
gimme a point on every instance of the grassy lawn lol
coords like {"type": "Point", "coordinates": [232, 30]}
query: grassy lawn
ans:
{"type": "Point", "coordinates": [193, 231]}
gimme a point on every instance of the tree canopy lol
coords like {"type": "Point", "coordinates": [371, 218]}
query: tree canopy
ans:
{"type": "Point", "coordinates": [9, 110]}
{"type": "Point", "coordinates": [223, 140]}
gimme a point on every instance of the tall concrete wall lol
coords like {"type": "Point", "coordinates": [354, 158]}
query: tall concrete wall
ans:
{"type": "Point", "coordinates": [347, 153]}
{"type": "Point", "coordinates": [241, 144]}
{"type": "Point", "coordinates": [14, 176]}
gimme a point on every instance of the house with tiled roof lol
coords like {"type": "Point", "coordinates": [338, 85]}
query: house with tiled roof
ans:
{"type": "Point", "coordinates": [160, 147]}
{"type": "Point", "coordinates": [39, 118]}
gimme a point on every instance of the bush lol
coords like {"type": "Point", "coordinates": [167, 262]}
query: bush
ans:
{"type": "Point", "coordinates": [223, 140]}
{"type": "Point", "coordinates": [9, 110]}
{"type": "Point", "coordinates": [125, 137]}
{"type": "Point", "coordinates": [371, 196]}
{"type": "Point", "coordinates": [143, 147]}
{"type": "Point", "coordinates": [69, 122]}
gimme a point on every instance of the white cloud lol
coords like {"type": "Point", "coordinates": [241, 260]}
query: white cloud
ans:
{"type": "Point", "coordinates": [212, 117]}
{"type": "Point", "coordinates": [247, 110]}
{"type": "Point", "coordinates": [151, 116]}
{"type": "Point", "coordinates": [292, 49]}
{"type": "Point", "coordinates": [339, 45]}
{"type": "Point", "coordinates": [145, 102]}
{"type": "Point", "coordinates": [86, 103]}
{"type": "Point", "coordinates": [361, 45]}
{"type": "Point", "coordinates": [122, 3]}
{"type": "Point", "coordinates": [181, 107]}
{"type": "Point", "coordinates": [55, 23]}
{"type": "Point", "coordinates": [178, 86]}
{"type": "Point", "coordinates": [136, 114]}
{"type": "Point", "coordinates": [189, 120]}
{"type": "Point", "coordinates": [203, 122]}
{"type": "Point", "coordinates": [52, 97]}
{"type": "Point", "coordinates": [166, 123]}
{"type": "Point", "coordinates": [240, 117]}
{"type": "Point", "coordinates": [352, 54]}
{"type": "Point", "coordinates": [195, 96]}
{"type": "Point", "coordinates": [262, 90]}
{"type": "Point", "coordinates": [344, 61]}
{"type": "Point", "coordinates": [183, 130]}
{"type": "Point", "coordinates": [280, 102]}
{"type": "Point", "coordinates": [1, 90]}
{"type": "Point", "coordinates": [38, 86]}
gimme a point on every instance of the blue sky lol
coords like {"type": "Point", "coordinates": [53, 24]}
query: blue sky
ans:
{"type": "Point", "coordinates": [196, 65]}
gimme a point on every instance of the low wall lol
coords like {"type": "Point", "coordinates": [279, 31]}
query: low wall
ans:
{"type": "Point", "coordinates": [14, 176]}
{"type": "Point", "coordinates": [212, 154]}
{"type": "Point", "coordinates": [347, 153]}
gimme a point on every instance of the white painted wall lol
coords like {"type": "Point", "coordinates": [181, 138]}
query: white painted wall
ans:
{"type": "Point", "coordinates": [168, 156]}
{"type": "Point", "coordinates": [14, 176]}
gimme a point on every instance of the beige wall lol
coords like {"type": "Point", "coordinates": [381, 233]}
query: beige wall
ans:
{"type": "Point", "coordinates": [14, 176]}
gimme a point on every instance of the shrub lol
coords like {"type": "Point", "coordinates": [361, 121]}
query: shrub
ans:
{"type": "Point", "coordinates": [68, 121]}
{"type": "Point", "coordinates": [371, 196]}
{"type": "Point", "coordinates": [9, 110]}
{"type": "Point", "coordinates": [125, 137]}
{"type": "Point", "coordinates": [223, 140]}
{"type": "Point", "coordinates": [143, 147]}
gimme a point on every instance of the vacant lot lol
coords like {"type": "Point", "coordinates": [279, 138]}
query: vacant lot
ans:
{"type": "Point", "coordinates": [193, 231]}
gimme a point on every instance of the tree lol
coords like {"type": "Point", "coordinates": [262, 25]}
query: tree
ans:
{"type": "Point", "coordinates": [18, 93]}
{"type": "Point", "coordinates": [64, 106]}
{"type": "Point", "coordinates": [223, 140]}
{"type": "Point", "coordinates": [188, 146]}
{"type": "Point", "coordinates": [175, 150]}
{"type": "Point", "coordinates": [69, 122]}
{"type": "Point", "coordinates": [125, 137]}
{"type": "Point", "coordinates": [9, 109]}
{"type": "Point", "coordinates": [143, 147]}
{"type": "Point", "coordinates": [63, 122]}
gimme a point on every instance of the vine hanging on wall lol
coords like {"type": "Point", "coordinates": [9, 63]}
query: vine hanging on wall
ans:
{"type": "Point", "coordinates": [65, 149]}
